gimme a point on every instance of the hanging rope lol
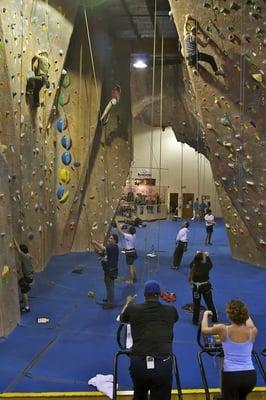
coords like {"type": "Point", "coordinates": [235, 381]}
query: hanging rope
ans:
{"type": "Point", "coordinates": [153, 79]}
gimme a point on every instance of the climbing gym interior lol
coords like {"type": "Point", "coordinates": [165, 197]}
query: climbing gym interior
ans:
{"type": "Point", "coordinates": [107, 114]}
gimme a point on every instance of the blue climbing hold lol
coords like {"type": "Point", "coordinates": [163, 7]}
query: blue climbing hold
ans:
{"type": "Point", "coordinates": [60, 125]}
{"type": "Point", "coordinates": [66, 142]}
{"type": "Point", "coordinates": [66, 158]}
{"type": "Point", "coordinates": [60, 192]}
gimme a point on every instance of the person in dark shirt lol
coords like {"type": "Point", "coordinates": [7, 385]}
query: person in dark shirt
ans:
{"type": "Point", "coordinates": [25, 274]}
{"type": "Point", "coordinates": [151, 356]}
{"type": "Point", "coordinates": [110, 255]}
{"type": "Point", "coordinates": [199, 279]}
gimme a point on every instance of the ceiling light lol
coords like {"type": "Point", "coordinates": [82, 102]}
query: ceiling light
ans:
{"type": "Point", "coordinates": [140, 64]}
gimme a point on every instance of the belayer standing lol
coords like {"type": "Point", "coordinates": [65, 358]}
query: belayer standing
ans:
{"type": "Point", "coordinates": [131, 254]}
{"type": "Point", "coordinates": [238, 374]}
{"type": "Point", "coordinates": [181, 245]}
{"type": "Point", "coordinates": [151, 360]}
{"type": "Point", "coordinates": [201, 286]}
{"type": "Point", "coordinates": [110, 254]}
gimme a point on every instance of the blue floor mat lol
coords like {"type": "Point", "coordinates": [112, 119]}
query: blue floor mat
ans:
{"type": "Point", "coordinates": [80, 339]}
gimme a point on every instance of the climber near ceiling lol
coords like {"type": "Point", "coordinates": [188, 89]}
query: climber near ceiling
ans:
{"type": "Point", "coordinates": [191, 42]}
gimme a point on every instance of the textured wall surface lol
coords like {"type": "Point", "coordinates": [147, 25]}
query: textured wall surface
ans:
{"type": "Point", "coordinates": [228, 112]}
{"type": "Point", "coordinates": [51, 206]}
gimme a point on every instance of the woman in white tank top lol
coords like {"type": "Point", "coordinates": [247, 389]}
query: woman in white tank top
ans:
{"type": "Point", "coordinates": [238, 375]}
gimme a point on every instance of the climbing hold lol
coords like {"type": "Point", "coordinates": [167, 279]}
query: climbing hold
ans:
{"type": "Point", "coordinates": [92, 196]}
{"type": "Point", "coordinates": [231, 165]}
{"type": "Point", "coordinates": [234, 6]}
{"type": "Point", "coordinates": [66, 158]}
{"type": "Point", "coordinates": [225, 121]}
{"type": "Point", "coordinates": [64, 197]}
{"type": "Point", "coordinates": [94, 226]}
{"type": "Point", "coordinates": [66, 142]}
{"type": "Point", "coordinates": [61, 124]}
{"type": "Point", "coordinates": [91, 293]}
{"type": "Point", "coordinates": [30, 236]}
{"type": "Point", "coordinates": [209, 126]}
{"type": "Point", "coordinates": [64, 175]}
{"type": "Point", "coordinates": [5, 274]}
{"type": "Point", "coordinates": [250, 183]}
{"type": "Point", "coordinates": [76, 164]}
{"type": "Point", "coordinates": [224, 178]}
{"type": "Point", "coordinates": [257, 77]}
{"type": "Point", "coordinates": [60, 192]}
{"type": "Point", "coordinates": [61, 52]}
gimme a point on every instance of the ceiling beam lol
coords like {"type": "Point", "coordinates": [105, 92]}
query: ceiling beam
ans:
{"type": "Point", "coordinates": [151, 8]}
{"type": "Point", "coordinates": [131, 20]}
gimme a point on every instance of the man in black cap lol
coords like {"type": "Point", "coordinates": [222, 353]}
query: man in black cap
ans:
{"type": "Point", "coordinates": [152, 332]}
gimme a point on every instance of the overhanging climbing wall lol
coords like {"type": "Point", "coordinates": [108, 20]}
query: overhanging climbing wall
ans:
{"type": "Point", "coordinates": [232, 111]}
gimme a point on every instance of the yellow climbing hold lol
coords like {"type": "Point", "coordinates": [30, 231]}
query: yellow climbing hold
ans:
{"type": "Point", "coordinates": [64, 175]}
{"type": "Point", "coordinates": [64, 197]}
{"type": "Point", "coordinates": [257, 77]}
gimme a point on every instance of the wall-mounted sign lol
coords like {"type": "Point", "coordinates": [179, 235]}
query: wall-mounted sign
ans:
{"type": "Point", "coordinates": [144, 173]}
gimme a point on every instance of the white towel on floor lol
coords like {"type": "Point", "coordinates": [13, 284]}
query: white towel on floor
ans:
{"type": "Point", "coordinates": [104, 384]}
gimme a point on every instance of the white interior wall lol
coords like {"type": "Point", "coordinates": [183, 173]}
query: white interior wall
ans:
{"type": "Point", "coordinates": [194, 165]}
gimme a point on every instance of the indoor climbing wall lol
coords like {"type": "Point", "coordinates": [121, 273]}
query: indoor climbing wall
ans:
{"type": "Point", "coordinates": [231, 111]}
{"type": "Point", "coordinates": [93, 154]}
{"type": "Point", "coordinates": [65, 133]}
{"type": "Point", "coordinates": [9, 310]}
{"type": "Point", "coordinates": [27, 30]}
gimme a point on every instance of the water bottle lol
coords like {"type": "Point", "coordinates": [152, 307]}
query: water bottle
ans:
{"type": "Point", "coordinates": [42, 320]}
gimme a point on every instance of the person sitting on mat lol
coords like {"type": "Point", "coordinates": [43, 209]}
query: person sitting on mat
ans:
{"type": "Point", "coordinates": [181, 245]}
{"type": "Point", "coordinates": [199, 280]}
{"type": "Point", "coordinates": [131, 254]}
{"type": "Point", "coordinates": [151, 358]}
{"type": "Point", "coordinates": [25, 274]}
{"type": "Point", "coordinates": [238, 374]}
{"type": "Point", "coordinates": [110, 254]}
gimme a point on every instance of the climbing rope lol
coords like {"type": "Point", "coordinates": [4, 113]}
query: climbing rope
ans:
{"type": "Point", "coordinates": [153, 78]}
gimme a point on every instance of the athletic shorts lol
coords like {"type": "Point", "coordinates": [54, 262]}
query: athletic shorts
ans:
{"type": "Point", "coordinates": [25, 284]}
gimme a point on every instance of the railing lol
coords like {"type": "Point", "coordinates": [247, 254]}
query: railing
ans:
{"type": "Point", "coordinates": [146, 212]}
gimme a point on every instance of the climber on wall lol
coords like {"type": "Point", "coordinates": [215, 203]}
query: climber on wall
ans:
{"type": "Point", "coordinates": [191, 42]}
{"type": "Point", "coordinates": [116, 93]}
{"type": "Point", "coordinates": [38, 77]}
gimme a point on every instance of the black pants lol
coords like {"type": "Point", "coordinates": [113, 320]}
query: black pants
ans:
{"type": "Point", "coordinates": [193, 60]}
{"type": "Point", "coordinates": [157, 380]}
{"type": "Point", "coordinates": [206, 292]}
{"type": "Point", "coordinates": [34, 85]}
{"type": "Point", "coordinates": [178, 253]}
{"type": "Point", "coordinates": [237, 385]}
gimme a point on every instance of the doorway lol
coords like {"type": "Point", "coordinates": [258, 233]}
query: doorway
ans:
{"type": "Point", "coordinates": [173, 203]}
{"type": "Point", "coordinates": [187, 205]}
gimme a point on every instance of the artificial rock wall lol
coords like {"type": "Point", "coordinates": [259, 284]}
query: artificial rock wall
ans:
{"type": "Point", "coordinates": [62, 171]}
{"type": "Point", "coordinates": [227, 113]}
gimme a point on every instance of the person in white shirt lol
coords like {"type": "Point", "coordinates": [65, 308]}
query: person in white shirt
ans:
{"type": "Point", "coordinates": [181, 245]}
{"type": "Point", "coordinates": [209, 222]}
{"type": "Point", "coordinates": [131, 254]}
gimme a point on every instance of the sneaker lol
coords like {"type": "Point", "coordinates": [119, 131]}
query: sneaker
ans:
{"type": "Point", "coordinates": [220, 72]}
{"type": "Point", "coordinates": [25, 310]}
